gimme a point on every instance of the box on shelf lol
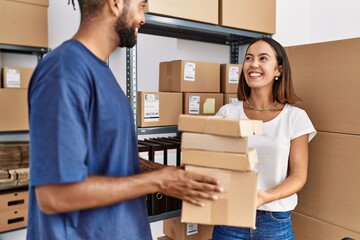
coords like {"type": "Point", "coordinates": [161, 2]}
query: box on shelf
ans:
{"type": "Point", "coordinates": [16, 77]}
{"type": "Point", "coordinates": [13, 110]}
{"type": "Point", "coordinates": [236, 206]}
{"type": "Point", "coordinates": [13, 200]}
{"type": "Point", "coordinates": [189, 76]}
{"type": "Point", "coordinates": [24, 23]}
{"type": "Point", "coordinates": [176, 230]}
{"type": "Point", "coordinates": [164, 238]}
{"type": "Point", "coordinates": [220, 126]}
{"type": "Point", "coordinates": [229, 77]}
{"type": "Point", "coordinates": [186, 9]}
{"type": "Point", "coordinates": [230, 161]}
{"type": "Point", "coordinates": [239, 14]}
{"type": "Point", "coordinates": [159, 108]}
{"type": "Point", "coordinates": [202, 103]}
{"type": "Point", "coordinates": [208, 142]}
{"type": "Point", "coordinates": [230, 98]}
{"type": "Point", "coordinates": [14, 219]}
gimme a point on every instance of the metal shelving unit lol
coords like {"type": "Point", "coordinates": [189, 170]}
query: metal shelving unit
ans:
{"type": "Point", "coordinates": [182, 29]}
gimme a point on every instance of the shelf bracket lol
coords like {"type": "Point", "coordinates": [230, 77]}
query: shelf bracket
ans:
{"type": "Point", "coordinates": [131, 80]}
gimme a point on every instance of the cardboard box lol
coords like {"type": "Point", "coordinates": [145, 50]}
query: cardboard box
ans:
{"type": "Point", "coordinates": [230, 98]}
{"type": "Point", "coordinates": [177, 230]}
{"type": "Point", "coordinates": [13, 110]}
{"type": "Point", "coordinates": [220, 126]}
{"type": "Point", "coordinates": [24, 23]}
{"type": "Point", "coordinates": [202, 103]}
{"type": "Point", "coordinates": [13, 200]}
{"type": "Point", "coordinates": [208, 142]}
{"type": "Point", "coordinates": [159, 108]}
{"type": "Point", "coordinates": [189, 76]}
{"type": "Point", "coordinates": [187, 9]}
{"type": "Point", "coordinates": [239, 14]}
{"type": "Point", "coordinates": [164, 238]}
{"type": "Point", "coordinates": [329, 92]}
{"type": "Point", "coordinates": [16, 77]}
{"type": "Point", "coordinates": [229, 77]}
{"type": "Point", "coordinates": [236, 206]}
{"type": "Point", "coordinates": [331, 193]}
{"type": "Point", "coordinates": [309, 228]}
{"type": "Point", "coordinates": [14, 219]}
{"type": "Point", "coordinates": [230, 161]}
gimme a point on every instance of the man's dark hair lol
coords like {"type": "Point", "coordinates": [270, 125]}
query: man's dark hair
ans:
{"type": "Point", "coordinates": [88, 8]}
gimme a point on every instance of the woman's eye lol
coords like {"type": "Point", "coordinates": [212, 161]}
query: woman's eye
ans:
{"type": "Point", "coordinates": [263, 58]}
{"type": "Point", "coordinates": [247, 58]}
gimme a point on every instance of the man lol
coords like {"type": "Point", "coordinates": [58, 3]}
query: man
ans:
{"type": "Point", "coordinates": [85, 175]}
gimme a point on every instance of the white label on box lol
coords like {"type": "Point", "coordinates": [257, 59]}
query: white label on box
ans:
{"type": "Point", "coordinates": [191, 229]}
{"type": "Point", "coordinates": [13, 78]}
{"type": "Point", "coordinates": [189, 71]}
{"type": "Point", "coordinates": [151, 108]}
{"type": "Point", "coordinates": [233, 100]}
{"type": "Point", "coordinates": [234, 75]}
{"type": "Point", "coordinates": [194, 104]}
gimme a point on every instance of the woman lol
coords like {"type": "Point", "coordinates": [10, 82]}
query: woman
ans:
{"type": "Point", "coordinates": [266, 93]}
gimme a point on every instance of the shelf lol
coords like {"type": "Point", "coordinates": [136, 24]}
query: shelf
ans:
{"type": "Point", "coordinates": [16, 136]}
{"type": "Point", "coordinates": [183, 29]}
{"type": "Point", "coordinates": [23, 49]}
{"type": "Point", "coordinates": [164, 216]}
{"type": "Point", "coordinates": [157, 130]}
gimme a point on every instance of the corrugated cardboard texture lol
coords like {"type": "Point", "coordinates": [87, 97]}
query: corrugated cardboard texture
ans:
{"type": "Point", "coordinates": [239, 14]}
{"type": "Point", "coordinates": [207, 142]}
{"type": "Point", "coordinates": [328, 84]}
{"type": "Point", "coordinates": [236, 206]}
{"type": "Point", "coordinates": [176, 230]}
{"type": "Point", "coordinates": [13, 110]}
{"type": "Point", "coordinates": [25, 75]}
{"type": "Point", "coordinates": [24, 24]}
{"type": "Point", "coordinates": [230, 161]}
{"type": "Point", "coordinates": [170, 107]}
{"type": "Point", "coordinates": [209, 103]}
{"type": "Point", "coordinates": [219, 126]}
{"type": "Point", "coordinates": [228, 74]}
{"type": "Point", "coordinates": [332, 192]}
{"type": "Point", "coordinates": [186, 9]}
{"type": "Point", "coordinates": [308, 228]}
{"type": "Point", "coordinates": [204, 77]}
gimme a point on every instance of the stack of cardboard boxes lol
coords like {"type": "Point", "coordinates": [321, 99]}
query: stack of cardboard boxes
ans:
{"type": "Point", "coordinates": [14, 173]}
{"type": "Point", "coordinates": [188, 87]}
{"type": "Point", "coordinates": [218, 147]}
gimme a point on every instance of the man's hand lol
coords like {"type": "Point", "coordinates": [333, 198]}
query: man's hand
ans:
{"type": "Point", "coordinates": [187, 186]}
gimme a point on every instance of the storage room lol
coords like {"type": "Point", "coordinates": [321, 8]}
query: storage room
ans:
{"type": "Point", "coordinates": [179, 120]}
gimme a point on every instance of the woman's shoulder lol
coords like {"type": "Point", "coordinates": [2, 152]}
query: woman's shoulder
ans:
{"type": "Point", "coordinates": [230, 108]}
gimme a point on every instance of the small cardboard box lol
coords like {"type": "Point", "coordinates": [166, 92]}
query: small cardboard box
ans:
{"type": "Point", "coordinates": [220, 126]}
{"type": "Point", "coordinates": [13, 110]}
{"type": "Point", "coordinates": [164, 238]}
{"type": "Point", "coordinates": [189, 76]}
{"type": "Point", "coordinates": [159, 108]}
{"type": "Point", "coordinates": [229, 77]}
{"type": "Point", "coordinates": [208, 142]}
{"type": "Point", "coordinates": [16, 77]}
{"type": "Point", "coordinates": [177, 230]}
{"type": "Point", "coordinates": [236, 206]}
{"type": "Point", "coordinates": [187, 9]}
{"type": "Point", "coordinates": [13, 219]}
{"type": "Point", "coordinates": [202, 103]}
{"type": "Point", "coordinates": [230, 98]}
{"type": "Point", "coordinates": [13, 201]}
{"type": "Point", "coordinates": [239, 14]}
{"type": "Point", "coordinates": [230, 161]}
{"type": "Point", "coordinates": [24, 23]}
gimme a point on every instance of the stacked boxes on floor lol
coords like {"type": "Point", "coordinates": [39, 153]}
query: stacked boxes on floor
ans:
{"type": "Point", "coordinates": [14, 173]}
{"type": "Point", "coordinates": [218, 147]}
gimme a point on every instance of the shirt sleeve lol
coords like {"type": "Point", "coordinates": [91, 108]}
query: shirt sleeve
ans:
{"type": "Point", "coordinates": [58, 105]}
{"type": "Point", "coordinates": [303, 125]}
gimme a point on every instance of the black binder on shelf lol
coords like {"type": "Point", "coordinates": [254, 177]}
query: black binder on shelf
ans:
{"type": "Point", "coordinates": [144, 152]}
{"type": "Point", "coordinates": [172, 155]}
{"type": "Point", "coordinates": [156, 154]}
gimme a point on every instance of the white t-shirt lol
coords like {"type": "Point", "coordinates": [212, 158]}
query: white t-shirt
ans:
{"type": "Point", "coordinates": [273, 147]}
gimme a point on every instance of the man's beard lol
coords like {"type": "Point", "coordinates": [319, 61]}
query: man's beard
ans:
{"type": "Point", "coordinates": [126, 34]}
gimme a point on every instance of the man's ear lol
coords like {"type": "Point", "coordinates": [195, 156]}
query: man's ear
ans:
{"type": "Point", "coordinates": [115, 6]}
